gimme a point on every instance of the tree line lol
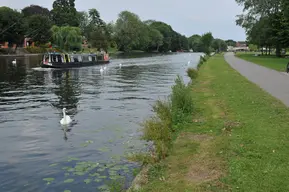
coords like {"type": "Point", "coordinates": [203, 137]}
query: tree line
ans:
{"type": "Point", "coordinates": [266, 23]}
{"type": "Point", "coordinates": [67, 28]}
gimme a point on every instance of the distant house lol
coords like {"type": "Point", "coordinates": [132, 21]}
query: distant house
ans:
{"type": "Point", "coordinates": [241, 46]}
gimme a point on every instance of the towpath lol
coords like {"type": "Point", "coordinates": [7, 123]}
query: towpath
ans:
{"type": "Point", "coordinates": [274, 82]}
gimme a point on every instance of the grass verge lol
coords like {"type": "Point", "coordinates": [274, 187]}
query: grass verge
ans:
{"type": "Point", "coordinates": [269, 61]}
{"type": "Point", "coordinates": [236, 139]}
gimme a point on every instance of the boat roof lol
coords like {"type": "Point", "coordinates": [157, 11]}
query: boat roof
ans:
{"type": "Point", "coordinates": [76, 54]}
{"type": "Point", "coordinates": [54, 53]}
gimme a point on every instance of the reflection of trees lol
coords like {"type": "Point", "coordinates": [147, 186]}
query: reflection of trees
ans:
{"type": "Point", "coordinates": [68, 89]}
{"type": "Point", "coordinates": [12, 77]}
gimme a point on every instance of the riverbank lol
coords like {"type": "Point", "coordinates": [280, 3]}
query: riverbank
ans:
{"type": "Point", "coordinates": [269, 61]}
{"type": "Point", "coordinates": [236, 139]}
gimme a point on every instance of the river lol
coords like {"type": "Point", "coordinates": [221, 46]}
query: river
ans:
{"type": "Point", "coordinates": [38, 154]}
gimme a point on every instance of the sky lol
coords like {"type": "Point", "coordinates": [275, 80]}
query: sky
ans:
{"type": "Point", "coordinates": [187, 17]}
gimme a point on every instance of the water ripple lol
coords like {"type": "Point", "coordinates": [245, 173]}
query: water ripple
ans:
{"type": "Point", "coordinates": [106, 110]}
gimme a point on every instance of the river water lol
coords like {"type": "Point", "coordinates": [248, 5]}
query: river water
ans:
{"type": "Point", "coordinates": [38, 154]}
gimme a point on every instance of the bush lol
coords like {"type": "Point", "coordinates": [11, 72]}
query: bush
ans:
{"type": "Point", "coordinates": [182, 102]}
{"type": "Point", "coordinates": [202, 60]}
{"type": "Point", "coordinates": [170, 116]}
{"type": "Point", "coordinates": [35, 49]}
{"type": "Point", "coordinates": [192, 73]}
{"type": "Point", "coordinates": [159, 128]}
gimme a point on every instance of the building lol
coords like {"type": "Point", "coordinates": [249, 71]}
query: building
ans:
{"type": "Point", "coordinates": [241, 46]}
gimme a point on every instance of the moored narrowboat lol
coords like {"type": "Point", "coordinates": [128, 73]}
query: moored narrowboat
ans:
{"type": "Point", "coordinates": [64, 60]}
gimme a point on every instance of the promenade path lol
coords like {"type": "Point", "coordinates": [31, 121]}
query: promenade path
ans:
{"type": "Point", "coordinates": [274, 82]}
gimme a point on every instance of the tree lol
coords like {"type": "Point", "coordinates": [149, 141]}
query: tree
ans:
{"type": "Point", "coordinates": [231, 42]}
{"type": "Point", "coordinates": [156, 39]}
{"type": "Point", "coordinates": [253, 47]}
{"type": "Point", "coordinates": [38, 28]}
{"type": "Point", "coordinates": [83, 20]}
{"type": "Point", "coordinates": [127, 31]}
{"type": "Point", "coordinates": [67, 37]}
{"type": "Point", "coordinates": [35, 10]}
{"type": "Point", "coordinates": [219, 45]}
{"type": "Point", "coordinates": [195, 43]}
{"type": "Point", "coordinates": [207, 40]}
{"type": "Point", "coordinates": [166, 31]}
{"type": "Point", "coordinates": [64, 13]}
{"type": "Point", "coordinates": [12, 28]}
{"type": "Point", "coordinates": [273, 12]}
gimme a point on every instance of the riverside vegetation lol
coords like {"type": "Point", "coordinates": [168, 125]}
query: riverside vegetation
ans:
{"type": "Point", "coordinates": [218, 133]}
{"type": "Point", "coordinates": [66, 28]}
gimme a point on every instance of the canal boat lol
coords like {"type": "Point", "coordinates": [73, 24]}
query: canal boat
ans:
{"type": "Point", "coordinates": [65, 60]}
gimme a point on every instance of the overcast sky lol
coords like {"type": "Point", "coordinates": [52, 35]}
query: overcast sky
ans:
{"type": "Point", "coordinates": [185, 16]}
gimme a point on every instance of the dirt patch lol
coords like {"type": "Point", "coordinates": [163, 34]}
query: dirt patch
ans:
{"type": "Point", "coordinates": [206, 82]}
{"type": "Point", "coordinates": [204, 165]}
{"type": "Point", "coordinates": [200, 173]}
{"type": "Point", "coordinates": [195, 137]}
{"type": "Point", "coordinates": [229, 125]}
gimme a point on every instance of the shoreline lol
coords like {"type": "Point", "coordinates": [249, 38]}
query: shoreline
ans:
{"type": "Point", "coordinates": [22, 55]}
{"type": "Point", "coordinates": [236, 135]}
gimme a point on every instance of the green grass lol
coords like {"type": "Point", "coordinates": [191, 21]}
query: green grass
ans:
{"type": "Point", "coordinates": [269, 61]}
{"type": "Point", "coordinates": [238, 138]}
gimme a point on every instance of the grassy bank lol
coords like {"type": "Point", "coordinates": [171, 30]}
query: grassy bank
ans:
{"type": "Point", "coordinates": [269, 61]}
{"type": "Point", "coordinates": [235, 139]}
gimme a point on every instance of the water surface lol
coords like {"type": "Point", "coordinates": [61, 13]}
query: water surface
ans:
{"type": "Point", "coordinates": [106, 108]}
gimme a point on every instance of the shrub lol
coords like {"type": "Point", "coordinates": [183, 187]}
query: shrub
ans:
{"type": "Point", "coordinates": [202, 60]}
{"type": "Point", "coordinates": [158, 128]}
{"type": "Point", "coordinates": [169, 117]}
{"type": "Point", "coordinates": [35, 49]}
{"type": "Point", "coordinates": [192, 73]}
{"type": "Point", "coordinates": [182, 102]}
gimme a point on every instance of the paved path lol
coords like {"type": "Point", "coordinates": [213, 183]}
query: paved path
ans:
{"type": "Point", "coordinates": [274, 82]}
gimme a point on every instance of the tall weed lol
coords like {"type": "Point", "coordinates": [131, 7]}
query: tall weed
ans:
{"type": "Point", "coordinates": [169, 116]}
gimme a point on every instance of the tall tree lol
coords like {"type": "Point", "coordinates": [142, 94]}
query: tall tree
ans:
{"type": "Point", "coordinates": [38, 28]}
{"type": "Point", "coordinates": [67, 37]}
{"type": "Point", "coordinates": [128, 29]}
{"type": "Point", "coordinates": [231, 42]}
{"type": "Point", "coordinates": [219, 45]}
{"type": "Point", "coordinates": [207, 40]}
{"type": "Point", "coordinates": [35, 10]}
{"type": "Point", "coordinates": [12, 28]}
{"type": "Point", "coordinates": [195, 43]}
{"type": "Point", "coordinates": [64, 13]}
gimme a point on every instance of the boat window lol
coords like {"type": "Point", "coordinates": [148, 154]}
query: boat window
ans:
{"type": "Point", "coordinates": [75, 58]}
{"type": "Point", "coordinates": [93, 58]}
{"type": "Point", "coordinates": [79, 58]}
{"type": "Point", "coordinates": [58, 58]}
{"type": "Point", "coordinates": [85, 58]}
{"type": "Point", "coordinates": [53, 58]}
{"type": "Point", "coordinates": [100, 57]}
{"type": "Point", "coordinates": [66, 58]}
{"type": "Point", "coordinates": [71, 59]}
{"type": "Point", "coordinates": [46, 58]}
{"type": "Point", "coordinates": [89, 58]}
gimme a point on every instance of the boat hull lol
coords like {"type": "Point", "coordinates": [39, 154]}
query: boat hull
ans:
{"type": "Point", "coordinates": [73, 64]}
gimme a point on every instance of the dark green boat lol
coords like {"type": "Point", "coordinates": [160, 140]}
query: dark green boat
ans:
{"type": "Point", "coordinates": [64, 60]}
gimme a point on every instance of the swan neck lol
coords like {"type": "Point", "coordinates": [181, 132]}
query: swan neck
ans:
{"type": "Point", "coordinates": [64, 114]}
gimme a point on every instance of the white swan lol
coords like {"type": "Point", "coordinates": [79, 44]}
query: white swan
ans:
{"type": "Point", "coordinates": [101, 69]}
{"type": "Point", "coordinates": [66, 119]}
{"type": "Point", "coordinates": [14, 61]}
{"type": "Point", "coordinates": [104, 68]}
{"type": "Point", "coordinates": [120, 65]}
{"type": "Point", "coordinates": [189, 62]}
